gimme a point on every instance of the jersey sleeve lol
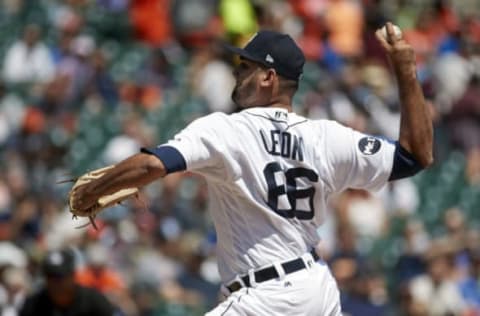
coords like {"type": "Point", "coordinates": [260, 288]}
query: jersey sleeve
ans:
{"type": "Point", "coordinates": [356, 160]}
{"type": "Point", "coordinates": [197, 147]}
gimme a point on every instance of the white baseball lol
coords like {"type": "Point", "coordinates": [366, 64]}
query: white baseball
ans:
{"type": "Point", "coordinates": [397, 31]}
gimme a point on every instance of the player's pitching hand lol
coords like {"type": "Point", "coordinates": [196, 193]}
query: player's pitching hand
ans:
{"type": "Point", "coordinates": [399, 52]}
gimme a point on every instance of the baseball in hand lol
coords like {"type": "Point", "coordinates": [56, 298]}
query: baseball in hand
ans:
{"type": "Point", "coordinates": [397, 31]}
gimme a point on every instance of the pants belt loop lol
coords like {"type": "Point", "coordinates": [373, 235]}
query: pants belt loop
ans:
{"type": "Point", "coordinates": [281, 272]}
{"type": "Point", "coordinates": [251, 278]}
{"type": "Point", "coordinates": [308, 260]}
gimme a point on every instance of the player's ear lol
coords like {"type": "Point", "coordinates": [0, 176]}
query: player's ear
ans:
{"type": "Point", "coordinates": [267, 78]}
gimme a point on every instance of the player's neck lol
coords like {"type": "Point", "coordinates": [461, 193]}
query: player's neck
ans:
{"type": "Point", "coordinates": [281, 101]}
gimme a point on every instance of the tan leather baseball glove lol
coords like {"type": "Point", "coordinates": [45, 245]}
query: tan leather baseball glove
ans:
{"type": "Point", "coordinates": [103, 202]}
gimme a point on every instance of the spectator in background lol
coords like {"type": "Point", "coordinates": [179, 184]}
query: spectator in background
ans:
{"type": "Point", "coordinates": [401, 198]}
{"type": "Point", "coordinates": [451, 75]}
{"type": "Point", "coordinates": [346, 261]}
{"type": "Point", "coordinates": [14, 284]}
{"type": "Point", "coordinates": [77, 70]}
{"type": "Point", "coordinates": [15, 173]}
{"type": "Point", "coordinates": [25, 223]}
{"type": "Point", "coordinates": [368, 295]}
{"type": "Point", "coordinates": [410, 263]}
{"type": "Point", "coordinates": [151, 21]}
{"type": "Point", "coordinates": [156, 71]}
{"type": "Point", "coordinates": [5, 204]}
{"type": "Point", "coordinates": [97, 274]}
{"type": "Point", "coordinates": [448, 24]}
{"type": "Point", "coordinates": [12, 256]}
{"type": "Point", "coordinates": [114, 5]}
{"type": "Point", "coordinates": [211, 78]}
{"type": "Point", "coordinates": [61, 295]}
{"type": "Point", "coordinates": [305, 13]}
{"type": "Point", "coordinates": [196, 22]}
{"type": "Point", "coordinates": [470, 286]}
{"type": "Point", "coordinates": [153, 80]}
{"type": "Point", "coordinates": [191, 277]}
{"type": "Point", "coordinates": [423, 37]}
{"type": "Point", "coordinates": [437, 292]}
{"type": "Point", "coordinates": [344, 23]}
{"type": "Point", "coordinates": [14, 277]}
{"type": "Point", "coordinates": [134, 134]}
{"type": "Point", "coordinates": [68, 23]}
{"type": "Point", "coordinates": [351, 207]}
{"type": "Point", "coordinates": [371, 90]}
{"type": "Point", "coordinates": [464, 123]}
{"type": "Point", "coordinates": [102, 84]}
{"type": "Point", "coordinates": [28, 59]}
{"type": "Point", "coordinates": [11, 114]}
{"type": "Point", "coordinates": [454, 222]}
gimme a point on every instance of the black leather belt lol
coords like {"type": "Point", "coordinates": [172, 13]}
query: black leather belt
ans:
{"type": "Point", "coordinates": [269, 273]}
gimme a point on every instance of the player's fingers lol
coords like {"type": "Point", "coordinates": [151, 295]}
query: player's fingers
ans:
{"type": "Point", "coordinates": [391, 37]}
{"type": "Point", "coordinates": [382, 40]}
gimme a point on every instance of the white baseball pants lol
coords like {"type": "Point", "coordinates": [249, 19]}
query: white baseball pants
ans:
{"type": "Point", "coordinates": [309, 292]}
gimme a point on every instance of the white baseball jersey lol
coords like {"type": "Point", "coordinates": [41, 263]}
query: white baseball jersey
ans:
{"type": "Point", "coordinates": [270, 173]}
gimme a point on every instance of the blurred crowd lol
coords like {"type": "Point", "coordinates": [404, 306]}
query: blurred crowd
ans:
{"type": "Point", "coordinates": [85, 83]}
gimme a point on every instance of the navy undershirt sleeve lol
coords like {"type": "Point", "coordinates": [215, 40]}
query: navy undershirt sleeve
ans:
{"type": "Point", "coordinates": [171, 158]}
{"type": "Point", "coordinates": [404, 164]}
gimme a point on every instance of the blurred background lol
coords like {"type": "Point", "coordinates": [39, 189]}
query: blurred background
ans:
{"type": "Point", "coordinates": [85, 83]}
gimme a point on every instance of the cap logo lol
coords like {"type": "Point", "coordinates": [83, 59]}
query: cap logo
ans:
{"type": "Point", "coordinates": [269, 58]}
{"type": "Point", "coordinates": [56, 258]}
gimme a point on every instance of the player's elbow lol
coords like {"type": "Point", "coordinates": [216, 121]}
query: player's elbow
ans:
{"type": "Point", "coordinates": [426, 154]}
{"type": "Point", "coordinates": [424, 157]}
{"type": "Point", "coordinates": [407, 163]}
{"type": "Point", "coordinates": [422, 153]}
{"type": "Point", "coordinates": [426, 161]}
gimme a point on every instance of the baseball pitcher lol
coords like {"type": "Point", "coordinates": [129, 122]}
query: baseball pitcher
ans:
{"type": "Point", "coordinates": [270, 173]}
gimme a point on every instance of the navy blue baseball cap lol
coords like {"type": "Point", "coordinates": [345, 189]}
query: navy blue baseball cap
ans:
{"type": "Point", "coordinates": [274, 50]}
{"type": "Point", "coordinates": [59, 263]}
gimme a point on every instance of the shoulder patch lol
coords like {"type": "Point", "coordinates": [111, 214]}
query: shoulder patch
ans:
{"type": "Point", "coordinates": [369, 145]}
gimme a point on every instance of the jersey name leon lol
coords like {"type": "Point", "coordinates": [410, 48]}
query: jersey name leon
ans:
{"type": "Point", "coordinates": [283, 144]}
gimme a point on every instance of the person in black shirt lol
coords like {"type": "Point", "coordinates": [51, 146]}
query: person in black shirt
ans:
{"type": "Point", "coordinates": [61, 296]}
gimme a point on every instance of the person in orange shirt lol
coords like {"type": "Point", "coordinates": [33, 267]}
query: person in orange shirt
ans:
{"type": "Point", "coordinates": [96, 274]}
{"type": "Point", "coordinates": [151, 21]}
{"type": "Point", "coordinates": [344, 22]}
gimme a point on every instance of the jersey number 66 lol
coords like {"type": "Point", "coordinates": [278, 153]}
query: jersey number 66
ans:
{"type": "Point", "coordinates": [289, 187]}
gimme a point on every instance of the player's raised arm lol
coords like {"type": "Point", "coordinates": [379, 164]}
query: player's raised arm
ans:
{"type": "Point", "coordinates": [416, 131]}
